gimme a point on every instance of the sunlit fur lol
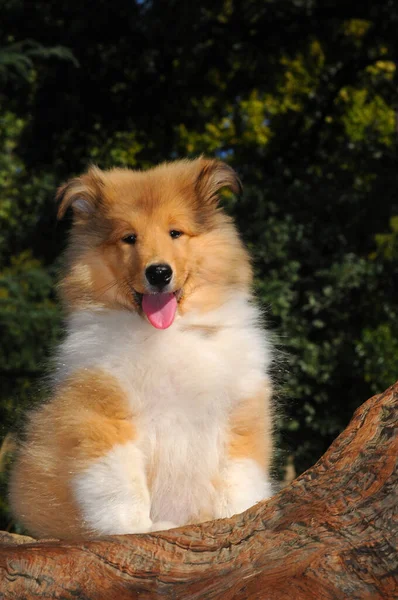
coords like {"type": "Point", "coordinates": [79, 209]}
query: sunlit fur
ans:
{"type": "Point", "coordinates": [207, 260]}
{"type": "Point", "coordinates": [146, 429]}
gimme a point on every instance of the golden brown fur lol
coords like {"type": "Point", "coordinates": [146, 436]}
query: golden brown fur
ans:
{"type": "Point", "coordinates": [86, 417]}
{"type": "Point", "coordinates": [250, 429]}
{"type": "Point", "coordinates": [153, 202]}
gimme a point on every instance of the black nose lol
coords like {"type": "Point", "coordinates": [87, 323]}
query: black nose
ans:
{"type": "Point", "coordinates": [159, 275]}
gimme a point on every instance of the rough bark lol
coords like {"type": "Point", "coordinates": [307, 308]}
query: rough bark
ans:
{"type": "Point", "coordinates": [331, 534]}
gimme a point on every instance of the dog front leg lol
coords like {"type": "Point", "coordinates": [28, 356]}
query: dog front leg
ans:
{"type": "Point", "coordinates": [112, 493]}
{"type": "Point", "coordinates": [245, 474]}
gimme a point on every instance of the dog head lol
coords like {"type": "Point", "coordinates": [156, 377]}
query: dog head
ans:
{"type": "Point", "coordinates": [155, 242]}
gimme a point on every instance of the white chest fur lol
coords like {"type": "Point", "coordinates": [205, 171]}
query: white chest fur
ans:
{"type": "Point", "coordinates": [181, 384]}
{"type": "Point", "coordinates": [185, 357]}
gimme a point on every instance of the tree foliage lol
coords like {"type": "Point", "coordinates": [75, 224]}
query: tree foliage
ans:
{"type": "Point", "coordinates": [299, 96]}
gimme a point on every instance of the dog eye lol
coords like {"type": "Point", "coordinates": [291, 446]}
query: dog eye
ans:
{"type": "Point", "coordinates": [130, 239]}
{"type": "Point", "coordinates": [174, 233]}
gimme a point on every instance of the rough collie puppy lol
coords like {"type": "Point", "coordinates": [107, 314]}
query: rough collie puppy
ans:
{"type": "Point", "coordinates": [159, 414]}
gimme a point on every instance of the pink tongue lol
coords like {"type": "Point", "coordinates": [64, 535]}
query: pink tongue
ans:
{"type": "Point", "coordinates": [160, 309]}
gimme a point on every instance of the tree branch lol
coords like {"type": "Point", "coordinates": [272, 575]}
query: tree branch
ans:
{"type": "Point", "coordinates": [332, 533]}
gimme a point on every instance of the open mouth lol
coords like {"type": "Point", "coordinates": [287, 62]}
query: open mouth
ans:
{"type": "Point", "coordinates": [160, 307]}
{"type": "Point", "coordinates": [138, 296]}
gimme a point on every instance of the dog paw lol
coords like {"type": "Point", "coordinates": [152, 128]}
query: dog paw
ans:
{"type": "Point", "coordinates": [162, 526]}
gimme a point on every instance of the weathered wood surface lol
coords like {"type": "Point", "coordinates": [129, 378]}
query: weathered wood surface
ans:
{"type": "Point", "coordinates": [331, 534]}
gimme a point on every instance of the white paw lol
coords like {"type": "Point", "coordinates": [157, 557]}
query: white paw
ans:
{"type": "Point", "coordinates": [126, 526]}
{"type": "Point", "coordinates": [244, 486]}
{"type": "Point", "coordinates": [162, 525]}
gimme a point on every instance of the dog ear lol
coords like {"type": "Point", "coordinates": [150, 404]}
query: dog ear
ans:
{"type": "Point", "coordinates": [81, 193]}
{"type": "Point", "coordinates": [213, 176]}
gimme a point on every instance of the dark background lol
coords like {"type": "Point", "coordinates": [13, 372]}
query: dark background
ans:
{"type": "Point", "coordinates": [300, 96]}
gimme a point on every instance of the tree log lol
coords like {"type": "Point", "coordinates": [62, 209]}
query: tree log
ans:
{"type": "Point", "coordinates": [331, 534]}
